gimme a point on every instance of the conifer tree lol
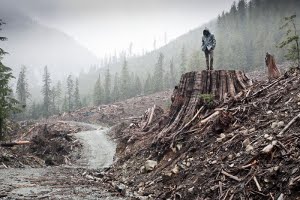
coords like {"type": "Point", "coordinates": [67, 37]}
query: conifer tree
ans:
{"type": "Point", "coordinates": [138, 85]}
{"type": "Point", "coordinates": [131, 89]}
{"type": "Point", "coordinates": [107, 87]}
{"type": "Point", "coordinates": [46, 92]}
{"type": "Point", "coordinates": [158, 74]}
{"type": "Point", "coordinates": [65, 104]}
{"type": "Point", "coordinates": [53, 107]}
{"type": "Point", "coordinates": [98, 92]}
{"type": "Point", "coordinates": [116, 89]}
{"type": "Point", "coordinates": [22, 88]}
{"type": "Point", "coordinates": [167, 80]}
{"type": "Point", "coordinates": [183, 61]}
{"type": "Point", "coordinates": [172, 74]}
{"type": "Point", "coordinates": [194, 62]}
{"type": "Point", "coordinates": [147, 85]}
{"type": "Point", "coordinates": [58, 91]}
{"type": "Point", "coordinates": [70, 93]}
{"type": "Point", "coordinates": [7, 103]}
{"type": "Point", "coordinates": [125, 82]}
{"type": "Point", "coordinates": [291, 40]}
{"type": "Point", "coordinates": [77, 102]}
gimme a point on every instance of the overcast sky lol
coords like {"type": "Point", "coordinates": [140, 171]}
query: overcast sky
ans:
{"type": "Point", "coordinates": [104, 26]}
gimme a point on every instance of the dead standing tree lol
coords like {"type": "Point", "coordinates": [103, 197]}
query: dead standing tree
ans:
{"type": "Point", "coordinates": [195, 92]}
{"type": "Point", "coordinates": [273, 71]}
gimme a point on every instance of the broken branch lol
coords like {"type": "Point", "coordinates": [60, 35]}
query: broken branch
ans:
{"type": "Point", "coordinates": [289, 124]}
{"type": "Point", "coordinates": [256, 183]}
{"type": "Point", "coordinates": [231, 176]}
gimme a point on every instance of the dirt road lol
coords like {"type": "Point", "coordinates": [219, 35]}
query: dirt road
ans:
{"type": "Point", "coordinates": [98, 149]}
{"type": "Point", "coordinates": [63, 182]}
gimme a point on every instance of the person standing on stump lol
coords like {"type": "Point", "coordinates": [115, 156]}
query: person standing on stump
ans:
{"type": "Point", "coordinates": [208, 46]}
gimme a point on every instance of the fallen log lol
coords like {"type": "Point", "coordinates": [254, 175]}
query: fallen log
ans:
{"type": "Point", "coordinates": [11, 144]}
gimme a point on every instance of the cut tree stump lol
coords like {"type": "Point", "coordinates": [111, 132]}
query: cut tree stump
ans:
{"type": "Point", "coordinates": [199, 86]}
{"type": "Point", "coordinates": [273, 71]}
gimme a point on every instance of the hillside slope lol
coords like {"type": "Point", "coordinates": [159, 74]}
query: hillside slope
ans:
{"type": "Point", "coordinates": [35, 45]}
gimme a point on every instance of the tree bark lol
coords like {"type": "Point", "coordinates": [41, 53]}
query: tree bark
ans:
{"type": "Point", "coordinates": [273, 71]}
{"type": "Point", "coordinates": [202, 88]}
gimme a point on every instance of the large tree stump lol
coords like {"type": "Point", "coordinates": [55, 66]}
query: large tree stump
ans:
{"type": "Point", "coordinates": [187, 99]}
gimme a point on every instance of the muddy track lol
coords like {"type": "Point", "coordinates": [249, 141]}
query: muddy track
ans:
{"type": "Point", "coordinates": [63, 182]}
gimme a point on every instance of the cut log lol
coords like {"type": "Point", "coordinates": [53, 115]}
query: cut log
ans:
{"type": "Point", "coordinates": [11, 144]}
{"type": "Point", "coordinates": [202, 88]}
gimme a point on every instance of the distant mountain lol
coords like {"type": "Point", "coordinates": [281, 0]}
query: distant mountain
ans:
{"type": "Point", "coordinates": [35, 45]}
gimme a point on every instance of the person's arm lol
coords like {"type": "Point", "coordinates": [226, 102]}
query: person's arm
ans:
{"type": "Point", "coordinates": [203, 45]}
{"type": "Point", "coordinates": [214, 42]}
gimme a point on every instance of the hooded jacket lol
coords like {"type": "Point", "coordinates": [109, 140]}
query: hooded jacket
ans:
{"type": "Point", "coordinates": [208, 42]}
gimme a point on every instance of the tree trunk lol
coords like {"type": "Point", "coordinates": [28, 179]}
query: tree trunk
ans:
{"type": "Point", "coordinates": [1, 129]}
{"type": "Point", "coordinates": [200, 89]}
{"type": "Point", "coordinates": [273, 71]}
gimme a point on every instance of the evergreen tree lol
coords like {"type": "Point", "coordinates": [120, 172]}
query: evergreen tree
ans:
{"type": "Point", "coordinates": [65, 104]}
{"type": "Point", "coordinates": [58, 91]}
{"type": "Point", "coordinates": [70, 93]}
{"type": "Point", "coordinates": [125, 82]}
{"type": "Point", "coordinates": [98, 92]}
{"type": "Point", "coordinates": [22, 88]}
{"type": "Point", "coordinates": [85, 101]}
{"type": "Point", "coordinates": [53, 105]}
{"type": "Point", "coordinates": [46, 92]}
{"type": "Point", "coordinates": [194, 62]}
{"type": "Point", "coordinates": [33, 110]}
{"type": "Point", "coordinates": [172, 74]}
{"type": "Point", "coordinates": [116, 89]}
{"type": "Point", "coordinates": [6, 102]}
{"type": "Point", "coordinates": [147, 85]}
{"type": "Point", "coordinates": [158, 74]}
{"type": "Point", "coordinates": [77, 103]}
{"type": "Point", "coordinates": [131, 89]}
{"type": "Point", "coordinates": [138, 85]}
{"type": "Point", "coordinates": [183, 61]}
{"type": "Point", "coordinates": [107, 87]}
{"type": "Point", "coordinates": [292, 39]}
{"type": "Point", "coordinates": [167, 80]}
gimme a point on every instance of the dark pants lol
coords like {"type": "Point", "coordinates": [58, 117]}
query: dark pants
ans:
{"type": "Point", "coordinates": [209, 56]}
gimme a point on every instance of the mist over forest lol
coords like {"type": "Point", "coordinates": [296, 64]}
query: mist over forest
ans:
{"type": "Point", "coordinates": [244, 33]}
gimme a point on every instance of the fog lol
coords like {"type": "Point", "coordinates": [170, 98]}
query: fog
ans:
{"type": "Point", "coordinates": [70, 36]}
{"type": "Point", "coordinates": [106, 27]}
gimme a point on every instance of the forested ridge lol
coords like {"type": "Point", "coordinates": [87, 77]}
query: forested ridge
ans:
{"type": "Point", "coordinates": [244, 34]}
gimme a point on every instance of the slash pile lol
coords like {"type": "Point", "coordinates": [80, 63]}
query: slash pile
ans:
{"type": "Point", "coordinates": [117, 112]}
{"type": "Point", "coordinates": [48, 144]}
{"type": "Point", "coordinates": [245, 147]}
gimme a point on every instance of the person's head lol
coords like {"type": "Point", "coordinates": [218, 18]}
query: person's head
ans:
{"type": "Point", "coordinates": [206, 32]}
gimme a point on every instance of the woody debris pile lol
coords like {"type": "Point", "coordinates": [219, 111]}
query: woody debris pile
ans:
{"type": "Point", "coordinates": [239, 141]}
{"type": "Point", "coordinates": [115, 113]}
{"type": "Point", "coordinates": [41, 144]}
